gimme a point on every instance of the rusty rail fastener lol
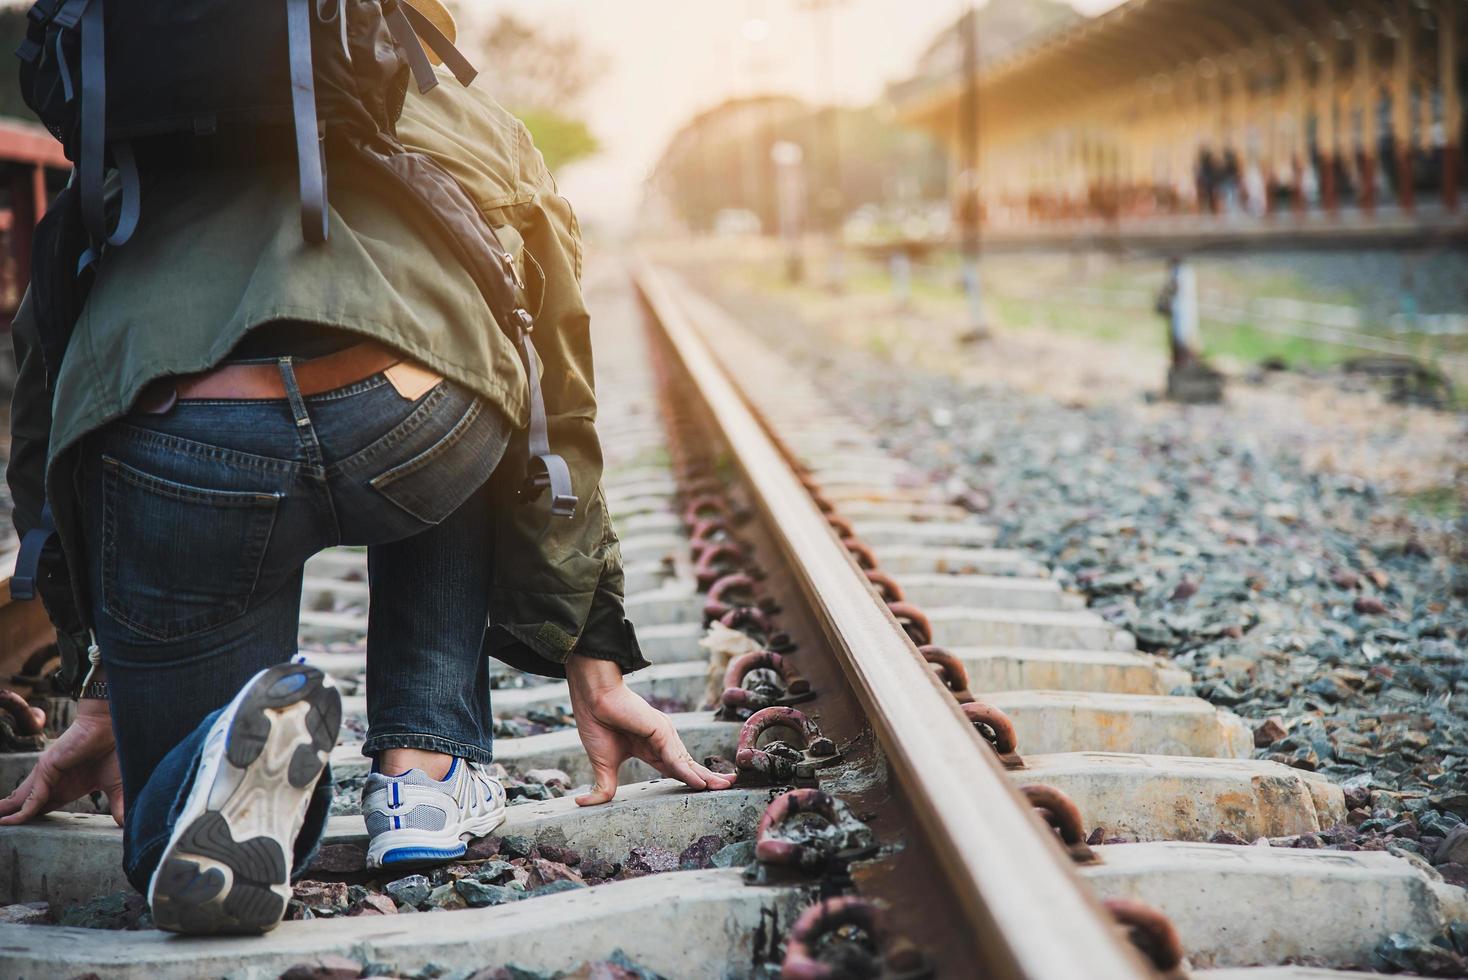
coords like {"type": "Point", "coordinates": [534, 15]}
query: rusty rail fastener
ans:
{"type": "Point", "coordinates": [704, 505]}
{"type": "Point", "coordinates": [704, 534]}
{"type": "Point", "coordinates": [862, 552]}
{"type": "Point", "coordinates": [915, 622]}
{"type": "Point", "coordinates": [25, 719]}
{"type": "Point", "coordinates": [727, 593]}
{"type": "Point", "coordinates": [789, 840]}
{"type": "Point", "coordinates": [841, 526]}
{"type": "Point", "coordinates": [1150, 931]}
{"type": "Point", "coordinates": [779, 761]}
{"type": "Point", "coordinates": [716, 562]}
{"type": "Point", "coordinates": [886, 586]}
{"type": "Point", "coordinates": [996, 728]}
{"type": "Point", "coordinates": [746, 693]}
{"type": "Point", "coordinates": [899, 958]}
{"type": "Point", "coordinates": [950, 670]}
{"type": "Point", "coordinates": [1061, 813]}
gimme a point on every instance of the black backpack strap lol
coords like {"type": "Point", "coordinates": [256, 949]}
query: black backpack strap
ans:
{"type": "Point", "coordinates": [310, 151]}
{"type": "Point", "coordinates": [544, 469]}
{"type": "Point", "coordinates": [439, 42]}
{"type": "Point", "coordinates": [28, 562]}
{"type": "Point", "coordinates": [402, 32]}
{"type": "Point", "coordinates": [92, 158]}
{"type": "Point", "coordinates": [420, 178]}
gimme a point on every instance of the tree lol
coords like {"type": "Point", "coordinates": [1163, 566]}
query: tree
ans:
{"type": "Point", "coordinates": [541, 77]}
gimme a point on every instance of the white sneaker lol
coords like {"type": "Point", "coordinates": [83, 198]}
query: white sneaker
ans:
{"type": "Point", "coordinates": [227, 866]}
{"type": "Point", "coordinates": [416, 819]}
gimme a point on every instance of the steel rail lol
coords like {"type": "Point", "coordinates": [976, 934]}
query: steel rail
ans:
{"type": "Point", "coordinates": [1031, 915]}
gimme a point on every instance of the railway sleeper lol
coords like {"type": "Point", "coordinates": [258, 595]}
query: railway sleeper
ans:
{"type": "Point", "coordinates": [667, 643]}
{"type": "Point", "coordinates": [987, 591]}
{"type": "Point", "coordinates": [1100, 671]}
{"type": "Point", "coordinates": [680, 924]}
{"type": "Point", "coordinates": [936, 534]}
{"type": "Point", "coordinates": [1152, 797]}
{"type": "Point", "coordinates": [66, 859]}
{"type": "Point", "coordinates": [1078, 629]}
{"type": "Point", "coordinates": [1245, 906]}
{"type": "Point", "coordinates": [553, 750]}
{"type": "Point", "coordinates": [682, 682]}
{"type": "Point", "coordinates": [1281, 973]}
{"type": "Point", "coordinates": [901, 560]}
{"type": "Point", "coordinates": [900, 508]}
{"type": "Point", "coordinates": [1063, 721]}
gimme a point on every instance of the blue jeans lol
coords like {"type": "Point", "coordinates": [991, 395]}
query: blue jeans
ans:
{"type": "Point", "coordinates": [199, 522]}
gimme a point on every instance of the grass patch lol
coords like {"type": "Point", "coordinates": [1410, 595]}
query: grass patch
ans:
{"type": "Point", "coordinates": [1445, 503]}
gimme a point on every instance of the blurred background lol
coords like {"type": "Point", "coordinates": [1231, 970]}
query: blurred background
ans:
{"type": "Point", "coordinates": [1150, 198]}
{"type": "Point", "coordinates": [1303, 158]}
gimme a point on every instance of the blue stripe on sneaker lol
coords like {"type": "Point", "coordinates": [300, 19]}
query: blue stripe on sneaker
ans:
{"type": "Point", "coordinates": [402, 855]}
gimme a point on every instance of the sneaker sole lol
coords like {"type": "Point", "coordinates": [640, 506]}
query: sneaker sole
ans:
{"type": "Point", "coordinates": [226, 869]}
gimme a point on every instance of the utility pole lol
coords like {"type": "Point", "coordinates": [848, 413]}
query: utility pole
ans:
{"type": "Point", "coordinates": [968, 182]}
{"type": "Point", "coordinates": [830, 198]}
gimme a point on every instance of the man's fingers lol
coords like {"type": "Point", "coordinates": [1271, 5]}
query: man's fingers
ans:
{"type": "Point", "coordinates": [30, 808]}
{"type": "Point", "coordinates": [605, 787]}
{"type": "Point", "coordinates": [713, 780]}
{"type": "Point", "coordinates": [115, 804]}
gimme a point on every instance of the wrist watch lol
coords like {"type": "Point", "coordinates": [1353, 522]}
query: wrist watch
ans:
{"type": "Point", "coordinates": [95, 691]}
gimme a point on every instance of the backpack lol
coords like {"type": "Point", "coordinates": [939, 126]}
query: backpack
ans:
{"type": "Point", "coordinates": [106, 76]}
{"type": "Point", "coordinates": [103, 75]}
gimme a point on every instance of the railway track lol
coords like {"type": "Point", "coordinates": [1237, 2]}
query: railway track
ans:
{"type": "Point", "coordinates": [756, 523]}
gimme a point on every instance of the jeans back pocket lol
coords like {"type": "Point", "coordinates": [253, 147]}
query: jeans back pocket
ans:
{"type": "Point", "coordinates": [431, 485]}
{"type": "Point", "coordinates": [179, 559]}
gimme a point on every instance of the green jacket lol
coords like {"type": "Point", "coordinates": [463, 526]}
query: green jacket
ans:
{"type": "Point", "coordinates": [219, 251]}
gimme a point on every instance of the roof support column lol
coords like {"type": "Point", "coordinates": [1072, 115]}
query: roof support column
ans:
{"type": "Point", "coordinates": [1401, 118]}
{"type": "Point", "coordinates": [1326, 130]}
{"type": "Point", "coordinates": [1364, 93]}
{"type": "Point", "coordinates": [1447, 74]}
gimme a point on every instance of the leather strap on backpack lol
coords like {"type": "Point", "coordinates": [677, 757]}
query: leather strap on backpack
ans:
{"type": "Point", "coordinates": [92, 158]}
{"type": "Point", "coordinates": [310, 151]}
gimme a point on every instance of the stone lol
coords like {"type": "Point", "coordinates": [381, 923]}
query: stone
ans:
{"type": "Point", "coordinates": [1344, 578]}
{"type": "Point", "coordinates": [322, 896]}
{"type": "Point", "coordinates": [1369, 605]}
{"type": "Point", "coordinates": [412, 890]}
{"type": "Point", "coordinates": [549, 777]}
{"type": "Point", "coordinates": [26, 914]}
{"type": "Point", "coordinates": [1454, 848]}
{"type": "Point", "coordinates": [115, 911]}
{"type": "Point", "coordinates": [324, 968]}
{"type": "Point", "coordinates": [478, 894]}
{"type": "Point", "coordinates": [559, 854]}
{"type": "Point", "coordinates": [492, 872]}
{"type": "Point", "coordinates": [448, 896]}
{"type": "Point", "coordinates": [735, 855]}
{"type": "Point", "coordinates": [1400, 951]}
{"type": "Point", "coordinates": [544, 872]}
{"type": "Point", "coordinates": [516, 846]}
{"type": "Point", "coordinates": [1271, 730]}
{"type": "Point", "coordinates": [1225, 837]}
{"type": "Point", "coordinates": [482, 848]}
{"type": "Point", "coordinates": [596, 869]}
{"type": "Point", "coordinates": [649, 860]}
{"type": "Point", "coordinates": [374, 905]}
{"type": "Point", "coordinates": [700, 854]}
{"type": "Point", "coordinates": [564, 885]}
{"type": "Point", "coordinates": [340, 858]}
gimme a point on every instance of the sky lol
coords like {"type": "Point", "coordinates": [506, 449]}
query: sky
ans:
{"type": "Point", "coordinates": [668, 59]}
